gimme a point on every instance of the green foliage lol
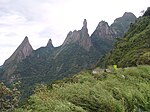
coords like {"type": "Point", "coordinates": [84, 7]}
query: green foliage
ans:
{"type": "Point", "coordinates": [125, 90]}
{"type": "Point", "coordinates": [47, 65]}
{"type": "Point", "coordinates": [121, 25]}
{"type": "Point", "coordinates": [133, 49]}
{"type": "Point", "coordinates": [9, 97]}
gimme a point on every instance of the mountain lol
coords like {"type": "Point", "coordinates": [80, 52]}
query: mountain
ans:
{"type": "Point", "coordinates": [47, 64]}
{"type": "Point", "coordinates": [103, 37]}
{"type": "Point", "coordinates": [80, 37]}
{"type": "Point", "coordinates": [24, 50]}
{"type": "Point", "coordinates": [134, 48]}
{"type": "Point", "coordinates": [122, 24]}
{"type": "Point", "coordinates": [147, 12]}
{"type": "Point", "coordinates": [49, 44]}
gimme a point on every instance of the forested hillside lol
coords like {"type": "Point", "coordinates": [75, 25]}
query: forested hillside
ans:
{"type": "Point", "coordinates": [134, 48]}
{"type": "Point", "coordinates": [120, 90]}
{"type": "Point", "coordinates": [124, 89]}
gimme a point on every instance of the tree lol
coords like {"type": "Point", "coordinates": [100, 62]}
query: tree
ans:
{"type": "Point", "coordinates": [9, 97]}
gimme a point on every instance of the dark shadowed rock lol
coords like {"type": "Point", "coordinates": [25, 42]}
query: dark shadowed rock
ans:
{"type": "Point", "coordinates": [147, 12]}
{"type": "Point", "coordinates": [49, 44]}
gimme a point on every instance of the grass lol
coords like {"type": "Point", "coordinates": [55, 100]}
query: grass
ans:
{"type": "Point", "coordinates": [125, 90]}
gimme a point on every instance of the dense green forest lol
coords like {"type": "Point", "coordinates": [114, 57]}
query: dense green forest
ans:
{"type": "Point", "coordinates": [121, 90]}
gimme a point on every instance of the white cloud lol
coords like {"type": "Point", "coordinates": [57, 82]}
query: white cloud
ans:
{"type": "Point", "coordinates": [44, 19]}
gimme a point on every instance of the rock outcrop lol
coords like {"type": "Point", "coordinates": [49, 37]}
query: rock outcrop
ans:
{"type": "Point", "coordinates": [79, 51]}
{"type": "Point", "coordinates": [104, 31]}
{"type": "Point", "coordinates": [103, 37]}
{"type": "Point", "coordinates": [80, 37]}
{"type": "Point", "coordinates": [122, 24]}
{"type": "Point", "coordinates": [49, 44]}
{"type": "Point", "coordinates": [147, 12]}
{"type": "Point", "coordinates": [24, 50]}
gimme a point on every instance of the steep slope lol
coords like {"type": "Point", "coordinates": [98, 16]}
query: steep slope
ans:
{"type": "Point", "coordinates": [79, 51]}
{"type": "Point", "coordinates": [103, 37]}
{"type": "Point", "coordinates": [50, 63]}
{"type": "Point", "coordinates": [24, 50]}
{"type": "Point", "coordinates": [134, 48]}
{"type": "Point", "coordinates": [122, 24]}
{"type": "Point", "coordinates": [80, 37]}
{"type": "Point", "coordinates": [147, 12]}
{"type": "Point", "coordinates": [123, 91]}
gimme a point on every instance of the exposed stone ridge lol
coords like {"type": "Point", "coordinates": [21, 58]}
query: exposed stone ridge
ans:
{"type": "Point", "coordinates": [147, 12]}
{"type": "Point", "coordinates": [122, 24]}
{"type": "Point", "coordinates": [21, 52]}
{"type": "Point", "coordinates": [49, 44]}
{"type": "Point", "coordinates": [104, 31]}
{"type": "Point", "coordinates": [24, 50]}
{"type": "Point", "coordinates": [80, 37]}
{"type": "Point", "coordinates": [128, 14]}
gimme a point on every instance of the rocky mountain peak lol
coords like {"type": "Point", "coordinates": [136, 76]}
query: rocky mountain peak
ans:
{"type": "Point", "coordinates": [25, 41]}
{"type": "Point", "coordinates": [24, 50]}
{"type": "Point", "coordinates": [84, 23]}
{"type": "Point", "coordinates": [128, 14]}
{"type": "Point", "coordinates": [122, 24]}
{"type": "Point", "coordinates": [84, 30]}
{"type": "Point", "coordinates": [127, 17]}
{"type": "Point", "coordinates": [103, 30]}
{"type": "Point", "coordinates": [102, 25]}
{"type": "Point", "coordinates": [147, 12]}
{"type": "Point", "coordinates": [49, 44]}
{"type": "Point", "coordinates": [26, 38]}
{"type": "Point", "coordinates": [80, 37]}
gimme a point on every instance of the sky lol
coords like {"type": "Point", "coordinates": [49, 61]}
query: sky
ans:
{"type": "Point", "coordinates": [41, 20]}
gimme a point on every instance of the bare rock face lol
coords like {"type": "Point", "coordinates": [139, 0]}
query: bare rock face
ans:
{"type": "Point", "coordinates": [49, 44]}
{"type": "Point", "coordinates": [24, 50]}
{"type": "Point", "coordinates": [104, 31]}
{"type": "Point", "coordinates": [103, 37]}
{"type": "Point", "coordinates": [122, 24]}
{"type": "Point", "coordinates": [116, 29]}
{"type": "Point", "coordinates": [147, 12]}
{"type": "Point", "coordinates": [80, 37]}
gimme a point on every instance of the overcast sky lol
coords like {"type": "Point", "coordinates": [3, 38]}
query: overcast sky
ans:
{"type": "Point", "coordinates": [44, 19]}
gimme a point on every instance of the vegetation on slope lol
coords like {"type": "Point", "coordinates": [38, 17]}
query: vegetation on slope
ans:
{"type": "Point", "coordinates": [118, 91]}
{"type": "Point", "coordinates": [134, 48]}
{"type": "Point", "coordinates": [9, 97]}
{"type": "Point", "coordinates": [122, 24]}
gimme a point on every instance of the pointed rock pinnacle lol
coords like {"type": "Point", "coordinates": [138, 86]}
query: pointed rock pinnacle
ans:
{"type": "Point", "coordinates": [49, 44]}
